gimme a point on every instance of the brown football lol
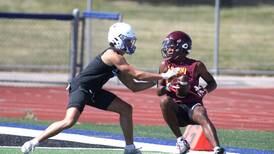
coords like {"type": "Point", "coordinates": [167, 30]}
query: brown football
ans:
{"type": "Point", "coordinates": [184, 87]}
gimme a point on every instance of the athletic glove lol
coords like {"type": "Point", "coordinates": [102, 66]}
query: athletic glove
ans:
{"type": "Point", "coordinates": [200, 91]}
{"type": "Point", "coordinates": [170, 73]}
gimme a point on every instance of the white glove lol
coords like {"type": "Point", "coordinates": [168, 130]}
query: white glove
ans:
{"type": "Point", "coordinates": [201, 91]}
{"type": "Point", "coordinates": [170, 73]}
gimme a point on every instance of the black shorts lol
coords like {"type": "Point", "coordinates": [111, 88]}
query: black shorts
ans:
{"type": "Point", "coordinates": [80, 97]}
{"type": "Point", "coordinates": [184, 114]}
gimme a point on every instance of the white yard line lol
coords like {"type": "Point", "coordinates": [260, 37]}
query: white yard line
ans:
{"type": "Point", "coordinates": [94, 140]}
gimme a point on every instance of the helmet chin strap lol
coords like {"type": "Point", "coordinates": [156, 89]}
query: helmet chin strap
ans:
{"type": "Point", "coordinates": [179, 57]}
{"type": "Point", "coordinates": [124, 51]}
{"type": "Point", "coordinates": [120, 51]}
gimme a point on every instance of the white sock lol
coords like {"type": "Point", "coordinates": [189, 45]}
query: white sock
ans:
{"type": "Point", "coordinates": [130, 146]}
{"type": "Point", "coordinates": [216, 148]}
{"type": "Point", "coordinates": [179, 138]}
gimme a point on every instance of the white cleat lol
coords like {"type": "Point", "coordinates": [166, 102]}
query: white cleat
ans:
{"type": "Point", "coordinates": [219, 150]}
{"type": "Point", "coordinates": [28, 147]}
{"type": "Point", "coordinates": [182, 145]}
{"type": "Point", "coordinates": [132, 151]}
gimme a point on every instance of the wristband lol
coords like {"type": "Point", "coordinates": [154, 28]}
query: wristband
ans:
{"type": "Point", "coordinates": [166, 88]}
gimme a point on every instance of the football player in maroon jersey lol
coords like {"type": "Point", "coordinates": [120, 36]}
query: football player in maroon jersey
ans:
{"type": "Point", "coordinates": [182, 101]}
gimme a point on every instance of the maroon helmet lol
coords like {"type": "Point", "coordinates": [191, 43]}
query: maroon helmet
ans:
{"type": "Point", "coordinates": [179, 41]}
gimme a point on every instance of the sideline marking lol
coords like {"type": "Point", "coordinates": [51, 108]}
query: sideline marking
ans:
{"type": "Point", "coordinates": [65, 148]}
{"type": "Point", "coordinates": [94, 140]}
{"type": "Point", "coordinates": [105, 149]}
{"type": "Point", "coordinates": [86, 139]}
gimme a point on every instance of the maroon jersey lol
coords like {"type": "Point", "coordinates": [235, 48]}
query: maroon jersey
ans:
{"type": "Point", "coordinates": [187, 67]}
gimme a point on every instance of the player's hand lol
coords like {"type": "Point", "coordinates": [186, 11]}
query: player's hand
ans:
{"type": "Point", "coordinates": [200, 91]}
{"type": "Point", "coordinates": [68, 87]}
{"type": "Point", "coordinates": [170, 73]}
{"type": "Point", "coordinates": [169, 87]}
{"type": "Point", "coordinates": [184, 87]}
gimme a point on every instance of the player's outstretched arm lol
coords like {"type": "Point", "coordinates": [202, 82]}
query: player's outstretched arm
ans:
{"type": "Point", "coordinates": [134, 85]}
{"type": "Point", "coordinates": [111, 57]}
{"type": "Point", "coordinates": [162, 87]}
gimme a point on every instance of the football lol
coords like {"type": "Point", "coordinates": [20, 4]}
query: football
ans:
{"type": "Point", "coordinates": [182, 85]}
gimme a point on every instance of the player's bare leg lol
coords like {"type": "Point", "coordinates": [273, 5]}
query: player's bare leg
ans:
{"type": "Point", "coordinates": [70, 119]}
{"type": "Point", "coordinates": [200, 116]}
{"type": "Point", "coordinates": [125, 112]}
{"type": "Point", "coordinates": [55, 128]}
{"type": "Point", "coordinates": [168, 109]}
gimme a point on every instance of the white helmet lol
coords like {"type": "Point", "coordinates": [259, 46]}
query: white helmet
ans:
{"type": "Point", "coordinates": [122, 36]}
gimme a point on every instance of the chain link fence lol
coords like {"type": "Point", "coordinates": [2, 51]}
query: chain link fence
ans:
{"type": "Point", "coordinates": [34, 45]}
{"type": "Point", "coordinates": [246, 38]}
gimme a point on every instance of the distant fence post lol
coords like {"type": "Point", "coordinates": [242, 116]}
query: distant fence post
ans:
{"type": "Point", "coordinates": [90, 14]}
{"type": "Point", "coordinates": [74, 43]}
{"type": "Point", "coordinates": [88, 32]}
{"type": "Point", "coordinates": [217, 34]}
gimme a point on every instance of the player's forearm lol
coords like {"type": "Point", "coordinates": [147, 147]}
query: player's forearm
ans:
{"type": "Point", "coordinates": [140, 75]}
{"type": "Point", "coordinates": [147, 76]}
{"type": "Point", "coordinates": [139, 86]}
{"type": "Point", "coordinates": [211, 86]}
{"type": "Point", "coordinates": [133, 84]}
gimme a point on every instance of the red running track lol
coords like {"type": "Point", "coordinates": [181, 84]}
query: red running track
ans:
{"type": "Point", "coordinates": [230, 108]}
